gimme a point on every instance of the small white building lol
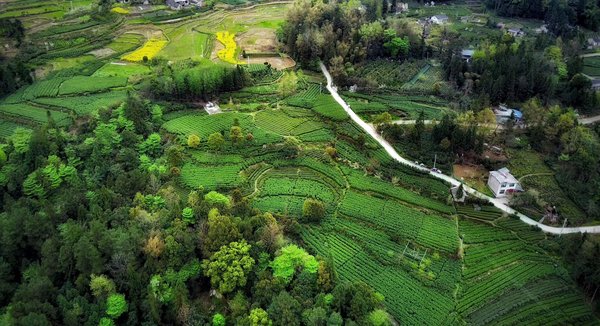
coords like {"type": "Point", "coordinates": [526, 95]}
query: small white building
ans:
{"type": "Point", "coordinates": [467, 54]}
{"type": "Point", "coordinates": [515, 32]}
{"type": "Point", "coordinates": [212, 108]}
{"type": "Point", "coordinates": [542, 29]}
{"type": "Point", "coordinates": [502, 183]}
{"type": "Point", "coordinates": [439, 19]}
{"type": "Point", "coordinates": [593, 43]}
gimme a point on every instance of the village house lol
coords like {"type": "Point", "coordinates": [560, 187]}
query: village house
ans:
{"type": "Point", "coordinates": [181, 4]}
{"type": "Point", "coordinates": [402, 7]}
{"type": "Point", "coordinates": [515, 32]}
{"type": "Point", "coordinates": [593, 43]}
{"type": "Point", "coordinates": [439, 19]}
{"type": "Point", "coordinates": [503, 114]}
{"type": "Point", "coordinates": [467, 54]}
{"type": "Point", "coordinates": [541, 29]}
{"type": "Point", "coordinates": [502, 183]}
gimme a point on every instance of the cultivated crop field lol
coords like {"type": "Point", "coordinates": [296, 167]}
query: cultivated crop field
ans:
{"type": "Point", "coordinates": [434, 262]}
{"type": "Point", "coordinates": [149, 50]}
{"type": "Point", "coordinates": [400, 105]}
{"type": "Point", "coordinates": [591, 66]}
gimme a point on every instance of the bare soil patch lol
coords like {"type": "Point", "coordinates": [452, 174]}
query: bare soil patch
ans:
{"type": "Point", "coordinates": [102, 53]}
{"type": "Point", "coordinates": [279, 63]}
{"type": "Point", "coordinates": [258, 40]}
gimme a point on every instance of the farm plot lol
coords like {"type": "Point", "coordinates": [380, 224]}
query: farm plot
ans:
{"type": "Point", "coordinates": [149, 50]}
{"type": "Point", "coordinates": [488, 213]}
{"type": "Point", "coordinates": [45, 88]}
{"type": "Point", "coordinates": [408, 106]}
{"type": "Point", "coordinates": [115, 69]}
{"type": "Point", "coordinates": [7, 128]}
{"type": "Point", "coordinates": [591, 66]}
{"type": "Point", "coordinates": [306, 97]}
{"type": "Point", "coordinates": [524, 231]}
{"type": "Point", "coordinates": [427, 81]}
{"type": "Point", "coordinates": [359, 181]}
{"type": "Point", "coordinates": [84, 84]}
{"type": "Point", "coordinates": [326, 106]}
{"type": "Point", "coordinates": [523, 163]}
{"type": "Point", "coordinates": [211, 177]}
{"type": "Point", "coordinates": [509, 281]}
{"type": "Point", "coordinates": [292, 185]}
{"type": "Point", "coordinates": [284, 205]}
{"type": "Point", "coordinates": [187, 44]}
{"type": "Point", "coordinates": [407, 223]}
{"type": "Point", "coordinates": [283, 191]}
{"type": "Point", "coordinates": [30, 114]}
{"type": "Point", "coordinates": [126, 42]}
{"type": "Point", "coordinates": [204, 125]}
{"type": "Point", "coordinates": [391, 74]}
{"type": "Point", "coordinates": [83, 105]}
{"type": "Point", "coordinates": [229, 53]}
{"type": "Point", "coordinates": [363, 254]}
{"type": "Point", "coordinates": [278, 121]}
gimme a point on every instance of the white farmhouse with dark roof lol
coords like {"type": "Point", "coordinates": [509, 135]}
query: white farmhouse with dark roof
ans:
{"type": "Point", "coordinates": [516, 32]}
{"type": "Point", "coordinates": [502, 183]}
{"type": "Point", "coordinates": [439, 19]}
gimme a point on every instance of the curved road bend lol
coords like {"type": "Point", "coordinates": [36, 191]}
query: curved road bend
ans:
{"type": "Point", "coordinates": [501, 204]}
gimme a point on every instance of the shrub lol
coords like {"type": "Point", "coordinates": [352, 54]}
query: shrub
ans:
{"type": "Point", "coordinates": [289, 259]}
{"type": "Point", "coordinates": [215, 199]}
{"type": "Point", "coordinates": [193, 141]}
{"type": "Point", "coordinates": [313, 210]}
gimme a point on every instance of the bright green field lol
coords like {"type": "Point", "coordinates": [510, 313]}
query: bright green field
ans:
{"type": "Point", "coordinates": [64, 63]}
{"type": "Point", "coordinates": [187, 45]}
{"type": "Point", "coordinates": [121, 70]}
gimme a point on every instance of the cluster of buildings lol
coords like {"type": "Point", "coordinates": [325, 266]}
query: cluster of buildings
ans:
{"type": "Point", "coordinates": [181, 4]}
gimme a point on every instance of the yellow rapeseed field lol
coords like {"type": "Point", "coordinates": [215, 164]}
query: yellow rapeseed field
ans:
{"type": "Point", "coordinates": [120, 10]}
{"type": "Point", "coordinates": [228, 53]}
{"type": "Point", "coordinates": [149, 50]}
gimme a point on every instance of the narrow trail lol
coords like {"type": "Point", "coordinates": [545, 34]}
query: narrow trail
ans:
{"type": "Point", "coordinates": [499, 203]}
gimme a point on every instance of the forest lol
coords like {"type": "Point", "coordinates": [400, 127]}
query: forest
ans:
{"type": "Point", "coordinates": [193, 166]}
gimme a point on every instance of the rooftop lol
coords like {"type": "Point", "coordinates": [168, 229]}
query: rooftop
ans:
{"type": "Point", "coordinates": [467, 53]}
{"type": "Point", "coordinates": [503, 175]}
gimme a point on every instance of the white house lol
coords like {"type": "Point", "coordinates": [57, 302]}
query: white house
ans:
{"type": "Point", "coordinates": [593, 42]}
{"type": "Point", "coordinates": [502, 183]}
{"type": "Point", "coordinates": [212, 108]}
{"type": "Point", "coordinates": [439, 19]}
{"type": "Point", "coordinates": [467, 54]}
{"type": "Point", "coordinates": [503, 114]}
{"type": "Point", "coordinates": [516, 32]}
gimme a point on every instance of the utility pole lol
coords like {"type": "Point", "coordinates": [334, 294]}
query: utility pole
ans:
{"type": "Point", "coordinates": [434, 161]}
